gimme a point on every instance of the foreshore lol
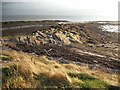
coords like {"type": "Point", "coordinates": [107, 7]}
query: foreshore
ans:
{"type": "Point", "coordinates": [84, 45]}
{"type": "Point", "coordinates": [89, 34]}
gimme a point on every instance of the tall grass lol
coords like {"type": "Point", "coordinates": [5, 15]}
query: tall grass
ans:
{"type": "Point", "coordinates": [48, 73]}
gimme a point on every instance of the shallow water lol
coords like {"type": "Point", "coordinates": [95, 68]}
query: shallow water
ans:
{"type": "Point", "coordinates": [110, 28]}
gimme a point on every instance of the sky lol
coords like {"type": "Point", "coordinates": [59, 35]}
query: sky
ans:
{"type": "Point", "coordinates": [60, 7]}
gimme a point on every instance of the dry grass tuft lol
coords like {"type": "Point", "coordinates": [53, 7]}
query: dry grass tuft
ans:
{"type": "Point", "coordinates": [76, 82]}
{"type": "Point", "coordinates": [72, 67]}
{"type": "Point", "coordinates": [46, 73]}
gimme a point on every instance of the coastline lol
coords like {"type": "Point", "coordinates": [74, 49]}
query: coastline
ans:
{"type": "Point", "coordinates": [59, 44]}
{"type": "Point", "coordinates": [85, 46]}
{"type": "Point", "coordinates": [110, 26]}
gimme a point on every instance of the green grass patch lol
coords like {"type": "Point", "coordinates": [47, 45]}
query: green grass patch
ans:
{"type": "Point", "coordinates": [6, 58]}
{"type": "Point", "coordinates": [89, 81]}
{"type": "Point", "coordinates": [82, 76]}
{"type": "Point", "coordinates": [94, 84]}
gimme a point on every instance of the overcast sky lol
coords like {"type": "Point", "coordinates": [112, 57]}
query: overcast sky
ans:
{"type": "Point", "coordinates": [60, 7]}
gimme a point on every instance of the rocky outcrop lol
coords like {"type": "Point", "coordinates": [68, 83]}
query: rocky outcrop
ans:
{"type": "Point", "coordinates": [53, 35]}
{"type": "Point", "coordinates": [59, 40]}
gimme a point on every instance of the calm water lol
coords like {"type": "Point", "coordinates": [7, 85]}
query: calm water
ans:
{"type": "Point", "coordinates": [47, 17]}
{"type": "Point", "coordinates": [68, 18]}
{"type": "Point", "coordinates": [110, 28]}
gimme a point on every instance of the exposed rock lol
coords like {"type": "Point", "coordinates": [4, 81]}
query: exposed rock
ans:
{"type": "Point", "coordinates": [63, 38]}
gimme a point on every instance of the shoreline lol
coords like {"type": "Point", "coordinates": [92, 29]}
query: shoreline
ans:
{"type": "Point", "coordinates": [80, 44]}
{"type": "Point", "coordinates": [64, 20]}
{"type": "Point", "coordinates": [110, 26]}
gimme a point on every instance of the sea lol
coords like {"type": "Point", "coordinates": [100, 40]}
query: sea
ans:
{"type": "Point", "coordinates": [77, 18]}
{"type": "Point", "coordinates": [81, 18]}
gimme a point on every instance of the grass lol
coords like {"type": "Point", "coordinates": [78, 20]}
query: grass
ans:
{"type": "Point", "coordinates": [89, 81]}
{"type": "Point", "coordinates": [94, 84]}
{"type": "Point", "coordinates": [48, 73]}
{"type": "Point", "coordinates": [82, 76]}
{"type": "Point", "coordinates": [55, 80]}
{"type": "Point", "coordinates": [6, 58]}
{"type": "Point", "coordinates": [14, 78]}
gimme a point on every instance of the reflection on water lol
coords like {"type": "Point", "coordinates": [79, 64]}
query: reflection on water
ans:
{"type": "Point", "coordinates": [110, 28]}
{"type": "Point", "coordinates": [80, 18]}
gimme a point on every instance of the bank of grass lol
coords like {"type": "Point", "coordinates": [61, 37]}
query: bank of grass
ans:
{"type": "Point", "coordinates": [89, 81]}
{"type": "Point", "coordinates": [28, 71]}
{"type": "Point", "coordinates": [6, 58]}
